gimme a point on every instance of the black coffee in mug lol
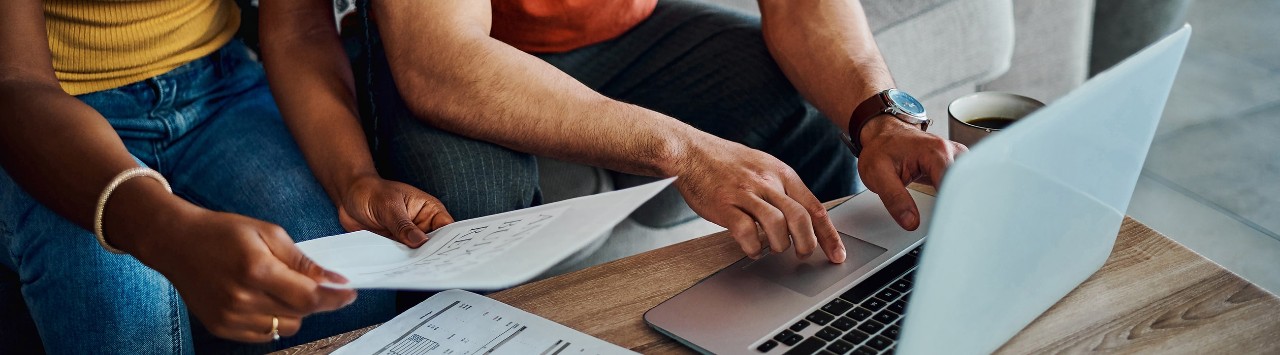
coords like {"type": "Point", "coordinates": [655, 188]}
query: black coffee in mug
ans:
{"type": "Point", "coordinates": [980, 114]}
{"type": "Point", "coordinates": [992, 122]}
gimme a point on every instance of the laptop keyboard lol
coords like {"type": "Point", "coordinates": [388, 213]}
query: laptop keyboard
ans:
{"type": "Point", "coordinates": [864, 320]}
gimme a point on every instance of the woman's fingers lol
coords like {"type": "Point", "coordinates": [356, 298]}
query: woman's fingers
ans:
{"type": "Point", "coordinates": [256, 328]}
{"type": "Point", "coordinates": [291, 277]}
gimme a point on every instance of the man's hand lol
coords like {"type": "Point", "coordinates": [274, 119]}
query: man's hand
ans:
{"type": "Point", "coordinates": [739, 187]}
{"type": "Point", "coordinates": [391, 209]}
{"type": "Point", "coordinates": [895, 154]}
{"type": "Point", "coordinates": [235, 273]}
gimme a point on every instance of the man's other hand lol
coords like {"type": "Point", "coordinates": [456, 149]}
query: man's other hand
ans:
{"type": "Point", "coordinates": [894, 154]}
{"type": "Point", "coordinates": [739, 188]}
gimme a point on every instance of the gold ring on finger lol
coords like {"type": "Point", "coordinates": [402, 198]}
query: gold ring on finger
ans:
{"type": "Point", "coordinates": [275, 328]}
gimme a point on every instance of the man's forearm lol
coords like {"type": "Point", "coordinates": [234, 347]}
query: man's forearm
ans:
{"type": "Point", "coordinates": [826, 50]}
{"type": "Point", "coordinates": [311, 80]}
{"type": "Point", "coordinates": [468, 83]}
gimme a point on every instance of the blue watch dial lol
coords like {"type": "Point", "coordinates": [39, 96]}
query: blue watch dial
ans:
{"type": "Point", "coordinates": [906, 102]}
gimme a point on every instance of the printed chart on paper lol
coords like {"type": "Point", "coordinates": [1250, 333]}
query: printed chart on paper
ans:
{"type": "Point", "coordinates": [462, 323]}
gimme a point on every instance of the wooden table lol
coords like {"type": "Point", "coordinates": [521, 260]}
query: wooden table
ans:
{"type": "Point", "coordinates": [1152, 295]}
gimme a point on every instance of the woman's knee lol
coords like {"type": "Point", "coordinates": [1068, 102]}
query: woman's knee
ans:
{"type": "Point", "coordinates": [119, 295]}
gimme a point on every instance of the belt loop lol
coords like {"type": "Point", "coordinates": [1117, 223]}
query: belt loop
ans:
{"type": "Point", "coordinates": [162, 98]}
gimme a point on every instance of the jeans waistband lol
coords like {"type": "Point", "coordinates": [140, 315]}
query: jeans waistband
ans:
{"type": "Point", "coordinates": [166, 105]}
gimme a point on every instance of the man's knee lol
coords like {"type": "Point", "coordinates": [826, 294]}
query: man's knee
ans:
{"type": "Point", "coordinates": [475, 187]}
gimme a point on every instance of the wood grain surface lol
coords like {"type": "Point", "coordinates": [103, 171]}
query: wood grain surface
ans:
{"type": "Point", "coordinates": [1152, 295]}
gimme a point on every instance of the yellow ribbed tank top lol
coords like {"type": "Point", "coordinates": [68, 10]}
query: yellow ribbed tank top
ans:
{"type": "Point", "coordinates": [104, 44]}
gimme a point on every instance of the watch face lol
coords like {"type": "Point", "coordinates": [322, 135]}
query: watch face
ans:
{"type": "Point", "coordinates": [906, 103]}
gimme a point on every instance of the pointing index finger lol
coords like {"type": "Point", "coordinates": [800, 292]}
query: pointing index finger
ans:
{"type": "Point", "coordinates": [883, 180]}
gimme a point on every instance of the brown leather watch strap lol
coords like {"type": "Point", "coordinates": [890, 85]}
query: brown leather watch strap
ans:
{"type": "Point", "coordinates": [871, 107]}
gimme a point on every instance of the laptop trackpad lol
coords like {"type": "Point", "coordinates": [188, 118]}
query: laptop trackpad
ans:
{"type": "Point", "coordinates": [811, 276]}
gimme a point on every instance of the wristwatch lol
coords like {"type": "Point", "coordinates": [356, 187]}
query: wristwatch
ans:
{"type": "Point", "coordinates": [895, 102]}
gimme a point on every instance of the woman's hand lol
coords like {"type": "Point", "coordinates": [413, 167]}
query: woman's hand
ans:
{"type": "Point", "coordinates": [236, 273]}
{"type": "Point", "coordinates": [391, 209]}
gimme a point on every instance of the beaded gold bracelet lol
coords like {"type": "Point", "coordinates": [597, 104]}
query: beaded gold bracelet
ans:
{"type": "Point", "coordinates": [111, 187]}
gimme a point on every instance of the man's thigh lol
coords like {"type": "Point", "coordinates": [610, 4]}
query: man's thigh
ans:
{"type": "Point", "coordinates": [710, 68]}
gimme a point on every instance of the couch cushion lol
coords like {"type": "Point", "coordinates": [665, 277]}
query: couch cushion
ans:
{"type": "Point", "coordinates": [1051, 51]}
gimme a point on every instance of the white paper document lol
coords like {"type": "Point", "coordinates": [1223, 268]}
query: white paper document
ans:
{"type": "Point", "coordinates": [490, 252]}
{"type": "Point", "coordinates": [462, 323]}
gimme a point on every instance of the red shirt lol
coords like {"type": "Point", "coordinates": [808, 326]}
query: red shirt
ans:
{"type": "Point", "coordinates": [549, 26]}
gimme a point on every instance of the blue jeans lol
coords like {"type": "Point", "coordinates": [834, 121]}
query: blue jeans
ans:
{"type": "Point", "coordinates": [212, 128]}
{"type": "Point", "coordinates": [702, 64]}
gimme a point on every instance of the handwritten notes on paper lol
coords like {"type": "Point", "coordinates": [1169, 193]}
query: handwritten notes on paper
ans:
{"type": "Point", "coordinates": [490, 252]}
{"type": "Point", "coordinates": [459, 248]}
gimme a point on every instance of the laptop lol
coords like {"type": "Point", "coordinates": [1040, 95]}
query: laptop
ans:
{"type": "Point", "coordinates": [1020, 221]}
